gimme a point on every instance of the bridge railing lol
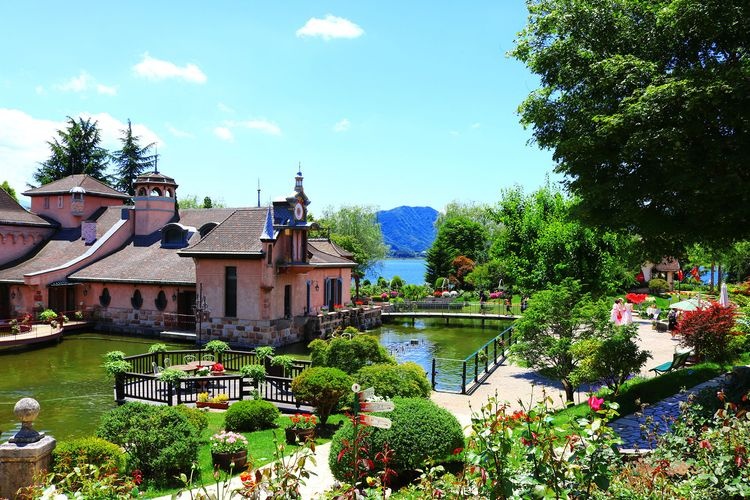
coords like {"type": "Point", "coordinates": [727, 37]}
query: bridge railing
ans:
{"type": "Point", "coordinates": [465, 375]}
{"type": "Point", "coordinates": [489, 307]}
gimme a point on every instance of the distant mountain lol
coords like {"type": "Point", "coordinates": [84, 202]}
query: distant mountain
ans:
{"type": "Point", "coordinates": [409, 231]}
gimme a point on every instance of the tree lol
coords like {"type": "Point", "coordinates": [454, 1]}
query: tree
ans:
{"type": "Point", "coordinates": [646, 108]}
{"type": "Point", "coordinates": [132, 160]}
{"type": "Point", "coordinates": [356, 229]}
{"type": "Point", "coordinates": [191, 201]}
{"type": "Point", "coordinates": [556, 321]}
{"type": "Point", "coordinates": [6, 187]}
{"type": "Point", "coordinates": [457, 235]}
{"type": "Point", "coordinates": [542, 243]}
{"type": "Point", "coordinates": [76, 150]}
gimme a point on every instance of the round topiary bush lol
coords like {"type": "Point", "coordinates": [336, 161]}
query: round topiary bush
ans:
{"type": "Point", "coordinates": [407, 380]}
{"type": "Point", "coordinates": [321, 387]}
{"type": "Point", "coordinates": [420, 430]}
{"type": "Point", "coordinates": [89, 450]}
{"type": "Point", "coordinates": [159, 440]}
{"type": "Point", "coordinates": [248, 416]}
{"type": "Point", "coordinates": [195, 416]}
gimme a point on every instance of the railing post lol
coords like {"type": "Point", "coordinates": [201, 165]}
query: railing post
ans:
{"type": "Point", "coordinates": [120, 388]}
{"type": "Point", "coordinates": [463, 378]}
{"type": "Point", "coordinates": [434, 372]}
{"type": "Point", "coordinates": [486, 357]}
{"type": "Point", "coordinates": [476, 366]}
{"type": "Point", "coordinates": [170, 393]}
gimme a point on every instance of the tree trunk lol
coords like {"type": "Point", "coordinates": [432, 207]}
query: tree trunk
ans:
{"type": "Point", "coordinates": [569, 391]}
{"type": "Point", "coordinates": [713, 266]}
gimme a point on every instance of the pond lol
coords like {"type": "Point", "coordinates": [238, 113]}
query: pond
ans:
{"type": "Point", "coordinates": [68, 381]}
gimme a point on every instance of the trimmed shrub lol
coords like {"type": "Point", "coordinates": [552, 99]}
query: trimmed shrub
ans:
{"type": "Point", "coordinates": [421, 430]}
{"type": "Point", "coordinates": [159, 440]}
{"type": "Point", "coordinates": [248, 416]}
{"type": "Point", "coordinates": [658, 285]}
{"type": "Point", "coordinates": [321, 387]}
{"type": "Point", "coordinates": [708, 331]}
{"type": "Point", "coordinates": [89, 450]}
{"type": "Point", "coordinates": [348, 354]}
{"type": "Point", "coordinates": [195, 416]}
{"type": "Point", "coordinates": [407, 380]}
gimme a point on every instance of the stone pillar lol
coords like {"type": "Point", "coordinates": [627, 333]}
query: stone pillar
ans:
{"type": "Point", "coordinates": [25, 455]}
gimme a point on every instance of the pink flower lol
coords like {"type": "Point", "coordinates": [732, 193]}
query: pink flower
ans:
{"type": "Point", "coordinates": [596, 403]}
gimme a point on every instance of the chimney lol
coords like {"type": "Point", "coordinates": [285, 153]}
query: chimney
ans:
{"type": "Point", "coordinates": [88, 232]}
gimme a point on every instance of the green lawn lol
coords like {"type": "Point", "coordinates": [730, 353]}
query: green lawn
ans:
{"type": "Point", "coordinates": [260, 449]}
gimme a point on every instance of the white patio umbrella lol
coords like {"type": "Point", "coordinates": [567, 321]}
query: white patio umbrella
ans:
{"type": "Point", "coordinates": [690, 304]}
{"type": "Point", "coordinates": [724, 295]}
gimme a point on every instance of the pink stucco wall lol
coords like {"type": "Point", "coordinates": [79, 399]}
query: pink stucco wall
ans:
{"type": "Point", "coordinates": [16, 241]}
{"type": "Point", "coordinates": [64, 215]}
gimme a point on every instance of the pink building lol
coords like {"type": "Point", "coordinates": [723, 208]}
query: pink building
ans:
{"type": "Point", "coordinates": [138, 267]}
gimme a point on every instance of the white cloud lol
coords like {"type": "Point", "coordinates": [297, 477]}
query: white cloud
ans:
{"type": "Point", "coordinates": [82, 83]}
{"type": "Point", "coordinates": [223, 133]}
{"type": "Point", "coordinates": [476, 125]}
{"type": "Point", "coordinates": [342, 125]}
{"type": "Point", "coordinates": [224, 108]}
{"type": "Point", "coordinates": [261, 125]}
{"type": "Point", "coordinates": [330, 27]}
{"type": "Point", "coordinates": [111, 131]}
{"type": "Point", "coordinates": [157, 69]}
{"type": "Point", "coordinates": [179, 133]}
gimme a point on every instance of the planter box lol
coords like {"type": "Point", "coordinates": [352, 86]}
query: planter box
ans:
{"type": "Point", "coordinates": [215, 406]}
{"type": "Point", "coordinates": [224, 460]}
{"type": "Point", "coordinates": [218, 374]}
{"type": "Point", "coordinates": [298, 436]}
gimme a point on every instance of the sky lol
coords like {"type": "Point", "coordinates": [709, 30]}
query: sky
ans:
{"type": "Point", "coordinates": [382, 103]}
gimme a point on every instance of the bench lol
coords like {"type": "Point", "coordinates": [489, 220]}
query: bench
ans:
{"type": "Point", "coordinates": [678, 361]}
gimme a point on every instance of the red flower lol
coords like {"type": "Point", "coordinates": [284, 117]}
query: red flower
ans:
{"type": "Point", "coordinates": [217, 367]}
{"type": "Point", "coordinates": [706, 444]}
{"type": "Point", "coordinates": [137, 476]}
{"type": "Point", "coordinates": [596, 403]}
{"type": "Point", "coordinates": [457, 451]}
{"type": "Point", "coordinates": [636, 298]}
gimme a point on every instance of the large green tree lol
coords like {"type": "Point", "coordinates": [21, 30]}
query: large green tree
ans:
{"type": "Point", "coordinates": [646, 108]}
{"type": "Point", "coordinates": [75, 150]}
{"type": "Point", "coordinates": [356, 229]}
{"type": "Point", "coordinates": [557, 321]}
{"type": "Point", "coordinates": [541, 243]}
{"type": "Point", "coordinates": [8, 189]}
{"type": "Point", "coordinates": [132, 160]}
{"type": "Point", "coordinates": [458, 235]}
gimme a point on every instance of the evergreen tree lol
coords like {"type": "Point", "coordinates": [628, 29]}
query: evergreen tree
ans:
{"type": "Point", "coordinates": [6, 187]}
{"type": "Point", "coordinates": [132, 160]}
{"type": "Point", "coordinates": [76, 150]}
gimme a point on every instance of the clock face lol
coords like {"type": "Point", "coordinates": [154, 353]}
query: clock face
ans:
{"type": "Point", "coordinates": [299, 211]}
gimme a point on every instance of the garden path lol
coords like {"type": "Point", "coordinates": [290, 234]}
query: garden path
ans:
{"type": "Point", "coordinates": [514, 384]}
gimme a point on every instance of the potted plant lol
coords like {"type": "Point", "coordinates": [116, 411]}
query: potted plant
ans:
{"type": "Point", "coordinates": [217, 369]}
{"type": "Point", "coordinates": [171, 375]}
{"type": "Point", "coordinates": [218, 402]}
{"type": "Point", "coordinates": [281, 365]}
{"type": "Point", "coordinates": [256, 373]}
{"type": "Point", "coordinates": [216, 347]}
{"type": "Point", "coordinates": [203, 371]}
{"type": "Point", "coordinates": [48, 316]}
{"type": "Point", "coordinates": [301, 429]}
{"type": "Point", "coordinates": [229, 450]}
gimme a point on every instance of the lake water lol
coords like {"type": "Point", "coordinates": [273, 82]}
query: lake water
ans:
{"type": "Point", "coordinates": [70, 384]}
{"type": "Point", "coordinates": [410, 270]}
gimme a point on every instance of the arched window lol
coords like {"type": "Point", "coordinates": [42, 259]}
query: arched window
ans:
{"type": "Point", "coordinates": [105, 298]}
{"type": "Point", "coordinates": [206, 228]}
{"type": "Point", "coordinates": [161, 300]}
{"type": "Point", "coordinates": [136, 300]}
{"type": "Point", "coordinates": [155, 192]}
{"type": "Point", "coordinates": [142, 192]}
{"type": "Point", "coordinates": [174, 235]}
{"type": "Point", "coordinates": [168, 193]}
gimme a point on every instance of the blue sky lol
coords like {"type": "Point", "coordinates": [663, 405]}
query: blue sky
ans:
{"type": "Point", "coordinates": [384, 103]}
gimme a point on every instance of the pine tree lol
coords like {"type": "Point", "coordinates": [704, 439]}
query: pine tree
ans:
{"type": "Point", "coordinates": [132, 160]}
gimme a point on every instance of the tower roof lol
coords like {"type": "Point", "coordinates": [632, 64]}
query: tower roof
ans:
{"type": "Point", "coordinates": [67, 184]}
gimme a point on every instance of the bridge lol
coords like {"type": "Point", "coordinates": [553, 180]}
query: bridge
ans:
{"type": "Point", "coordinates": [447, 310]}
{"type": "Point", "coordinates": [414, 315]}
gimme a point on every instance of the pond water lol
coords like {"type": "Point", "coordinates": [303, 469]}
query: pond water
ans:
{"type": "Point", "coordinates": [68, 381]}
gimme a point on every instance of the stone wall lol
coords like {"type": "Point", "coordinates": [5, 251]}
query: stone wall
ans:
{"type": "Point", "coordinates": [362, 318]}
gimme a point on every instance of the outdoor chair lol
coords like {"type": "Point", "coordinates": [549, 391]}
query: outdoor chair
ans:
{"type": "Point", "coordinates": [678, 361]}
{"type": "Point", "coordinates": [167, 362]}
{"type": "Point", "coordinates": [157, 369]}
{"type": "Point", "coordinates": [188, 358]}
{"type": "Point", "coordinates": [208, 357]}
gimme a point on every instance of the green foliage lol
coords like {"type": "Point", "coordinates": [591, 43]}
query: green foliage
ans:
{"type": "Point", "coordinates": [114, 356]}
{"type": "Point", "coordinates": [77, 151]}
{"type": "Point", "coordinates": [88, 450]}
{"type": "Point", "coordinates": [159, 440]}
{"type": "Point", "coordinates": [115, 367]}
{"type": "Point", "coordinates": [421, 430]}
{"type": "Point", "coordinates": [658, 285]}
{"type": "Point", "coordinates": [191, 201]}
{"type": "Point", "coordinates": [611, 359]}
{"type": "Point", "coordinates": [248, 416]}
{"type": "Point", "coordinates": [541, 243]}
{"type": "Point", "coordinates": [216, 346]}
{"type": "Point", "coordinates": [8, 189]}
{"type": "Point", "coordinates": [47, 315]}
{"type": "Point", "coordinates": [407, 380]}
{"type": "Point", "coordinates": [416, 292]}
{"type": "Point", "coordinates": [556, 320]}
{"type": "Point", "coordinates": [88, 481]}
{"type": "Point", "coordinates": [397, 283]}
{"type": "Point", "coordinates": [196, 417]}
{"type": "Point", "coordinates": [457, 235]}
{"type": "Point", "coordinates": [172, 375]}
{"type": "Point", "coordinates": [257, 373]}
{"type": "Point", "coordinates": [264, 352]}
{"type": "Point", "coordinates": [655, 91]}
{"type": "Point", "coordinates": [285, 361]}
{"type": "Point", "coordinates": [158, 347]}
{"type": "Point", "coordinates": [132, 160]}
{"type": "Point", "coordinates": [321, 387]}
{"type": "Point", "coordinates": [348, 354]}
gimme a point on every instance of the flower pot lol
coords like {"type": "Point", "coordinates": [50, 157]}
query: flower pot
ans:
{"type": "Point", "coordinates": [209, 404]}
{"type": "Point", "coordinates": [224, 460]}
{"type": "Point", "coordinates": [217, 373]}
{"type": "Point", "coordinates": [299, 435]}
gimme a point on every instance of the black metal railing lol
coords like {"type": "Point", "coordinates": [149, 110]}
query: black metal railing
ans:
{"type": "Point", "coordinates": [465, 375]}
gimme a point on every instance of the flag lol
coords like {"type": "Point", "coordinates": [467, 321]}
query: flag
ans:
{"type": "Point", "coordinates": [695, 273]}
{"type": "Point", "coordinates": [680, 275]}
